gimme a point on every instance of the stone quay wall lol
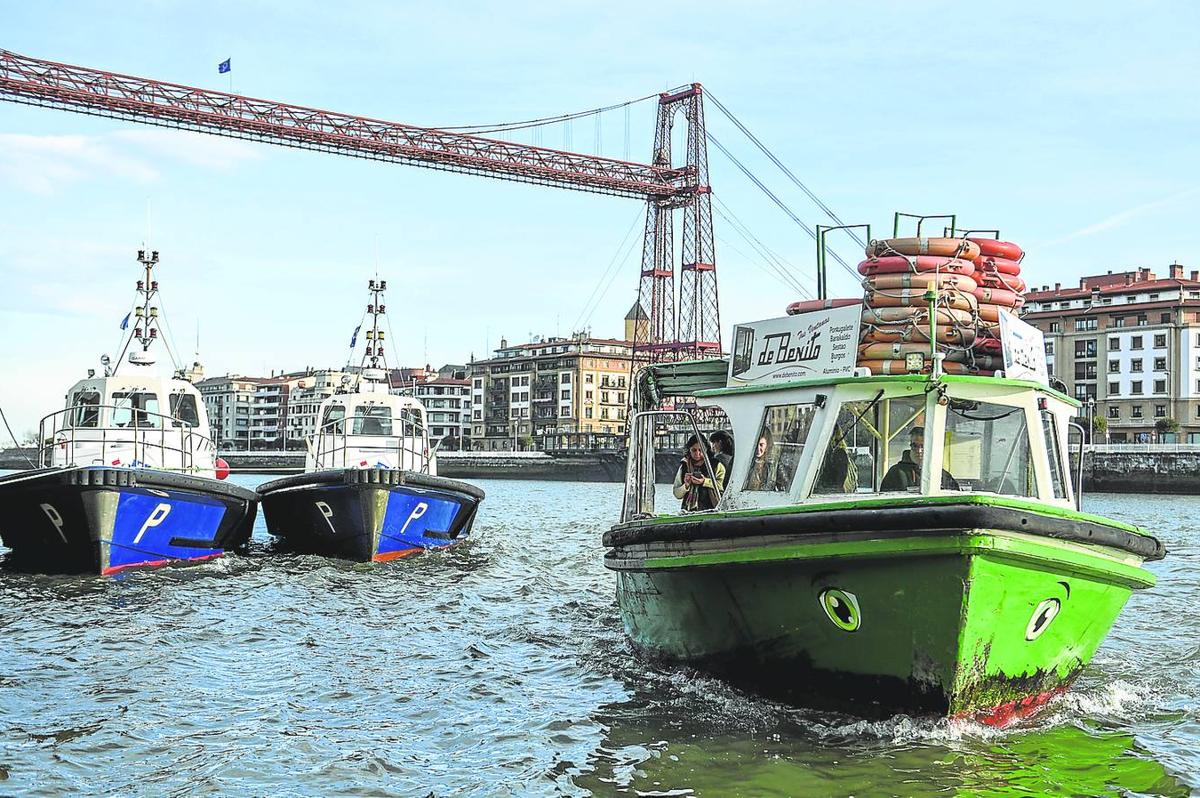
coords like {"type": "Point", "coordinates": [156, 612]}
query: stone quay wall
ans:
{"type": "Point", "coordinates": [1167, 469]}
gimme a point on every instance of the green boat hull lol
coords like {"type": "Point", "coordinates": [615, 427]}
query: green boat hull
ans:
{"type": "Point", "coordinates": [973, 621]}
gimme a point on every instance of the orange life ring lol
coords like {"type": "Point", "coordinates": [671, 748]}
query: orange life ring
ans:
{"type": "Point", "coordinates": [991, 346]}
{"type": "Point", "coordinates": [809, 305]}
{"type": "Point", "coordinates": [921, 281]}
{"type": "Point", "coordinates": [989, 312]}
{"type": "Point", "coordinates": [907, 333]}
{"type": "Point", "coordinates": [945, 247]}
{"type": "Point", "coordinates": [909, 298]}
{"type": "Point", "coordinates": [897, 350]}
{"type": "Point", "coordinates": [999, 296]}
{"type": "Point", "coordinates": [1010, 282]}
{"type": "Point", "coordinates": [1001, 249]}
{"type": "Point", "coordinates": [898, 367]}
{"type": "Point", "coordinates": [1002, 265]}
{"type": "Point", "coordinates": [898, 264]}
{"type": "Point", "coordinates": [917, 315]}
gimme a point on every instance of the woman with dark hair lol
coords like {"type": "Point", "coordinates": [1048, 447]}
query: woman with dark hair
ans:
{"type": "Point", "coordinates": [722, 447]}
{"type": "Point", "coordinates": [763, 468]}
{"type": "Point", "coordinates": [695, 485]}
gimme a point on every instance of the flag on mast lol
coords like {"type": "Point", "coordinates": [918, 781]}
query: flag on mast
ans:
{"type": "Point", "coordinates": [354, 336]}
{"type": "Point", "coordinates": [125, 321]}
{"type": "Point", "coordinates": [224, 66]}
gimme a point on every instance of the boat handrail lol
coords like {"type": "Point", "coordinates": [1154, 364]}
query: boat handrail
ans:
{"type": "Point", "coordinates": [638, 500]}
{"type": "Point", "coordinates": [148, 432]}
{"type": "Point", "coordinates": [332, 439]}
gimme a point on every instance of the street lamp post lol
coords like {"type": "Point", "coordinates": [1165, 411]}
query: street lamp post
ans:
{"type": "Point", "coordinates": [1091, 406]}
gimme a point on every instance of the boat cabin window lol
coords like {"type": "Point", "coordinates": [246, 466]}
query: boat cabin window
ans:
{"type": "Point", "coordinates": [85, 409]}
{"type": "Point", "coordinates": [778, 447]}
{"type": "Point", "coordinates": [876, 445]}
{"type": "Point", "coordinates": [136, 409]}
{"type": "Point", "coordinates": [987, 448]}
{"type": "Point", "coordinates": [1050, 430]}
{"type": "Point", "coordinates": [332, 421]}
{"type": "Point", "coordinates": [183, 410]}
{"type": "Point", "coordinates": [372, 420]}
{"type": "Point", "coordinates": [410, 425]}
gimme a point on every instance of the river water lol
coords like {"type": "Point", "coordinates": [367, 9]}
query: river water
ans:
{"type": "Point", "coordinates": [500, 668]}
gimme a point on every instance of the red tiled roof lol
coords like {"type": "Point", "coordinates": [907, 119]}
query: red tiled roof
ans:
{"type": "Point", "coordinates": [1160, 284]}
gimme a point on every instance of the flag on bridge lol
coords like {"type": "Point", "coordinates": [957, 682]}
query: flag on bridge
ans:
{"type": "Point", "coordinates": [125, 321]}
{"type": "Point", "coordinates": [354, 337]}
{"type": "Point", "coordinates": [224, 66]}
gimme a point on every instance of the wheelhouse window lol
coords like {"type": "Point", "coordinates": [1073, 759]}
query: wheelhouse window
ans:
{"type": "Point", "coordinates": [183, 410]}
{"type": "Point", "coordinates": [333, 419]}
{"type": "Point", "coordinates": [987, 449]}
{"type": "Point", "coordinates": [876, 445]}
{"type": "Point", "coordinates": [778, 447]}
{"type": "Point", "coordinates": [1058, 482]}
{"type": "Point", "coordinates": [136, 409]}
{"type": "Point", "coordinates": [85, 409]}
{"type": "Point", "coordinates": [372, 420]}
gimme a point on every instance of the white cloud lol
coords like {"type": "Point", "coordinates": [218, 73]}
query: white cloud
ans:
{"type": "Point", "coordinates": [197, 149]}
{"type": "Point", "coordinates": [43, 164]}
{"type": "Point", "coordinates": [1118, 219]}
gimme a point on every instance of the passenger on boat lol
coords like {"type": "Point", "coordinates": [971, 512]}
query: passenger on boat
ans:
{"type": "Point", "coordinates": [839, 473]}
{"type": "Point", "coordinates": [764, 473]}
{"type": "Point", "coordinates": [906, 474]}
{"type": "Point", "coordinates": [722, 446]}
{"type": "Point", "coordinates": [694, 485]}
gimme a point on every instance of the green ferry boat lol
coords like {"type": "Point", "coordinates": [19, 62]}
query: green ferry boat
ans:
{"type": "Point", "coordinates": [907, 543]}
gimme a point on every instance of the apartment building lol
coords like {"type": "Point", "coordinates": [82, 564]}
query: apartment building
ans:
{"type": "Point", "coordinates": [552, 386]}
{"type": "Point", "coordinates": [1127, 345]}
{"type": "Point", "coordinates": [245, 412]}
{"type": "Point", "coordinates": [447, 403]}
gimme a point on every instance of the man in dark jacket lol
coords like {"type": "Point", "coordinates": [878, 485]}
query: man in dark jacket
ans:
{"type": "Point", "coordinates": [906, 473]}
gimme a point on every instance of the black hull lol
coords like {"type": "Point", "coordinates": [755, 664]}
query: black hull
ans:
{"type": "Point", "coordinates": [101, 520]}
{"type": "Point", "coordinates": [352, 514]}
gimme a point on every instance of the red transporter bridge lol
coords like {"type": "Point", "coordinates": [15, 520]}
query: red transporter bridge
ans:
{"type": "Point", "coordinates": [693, 331]}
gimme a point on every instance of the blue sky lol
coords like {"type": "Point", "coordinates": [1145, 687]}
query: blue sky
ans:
{"type": "Point", "coordinates": [1070, 126]}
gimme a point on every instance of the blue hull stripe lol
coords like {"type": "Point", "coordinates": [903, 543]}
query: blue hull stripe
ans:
{"type": "Point", "coordinates": [146, 523]}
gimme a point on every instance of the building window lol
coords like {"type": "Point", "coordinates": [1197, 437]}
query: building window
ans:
{"type": "Point", "coordinates": [566, 395]}
{"type": "Point", "coordinates": [1135, 342]}
{"type": "Point", "coordinates": [1160, 386]}
{"type": "Point", "coordinates": [588, 378]}
{"type": "Point", "coordinates": [1085, 348]}
{"type": "Point", "coordinates": [1135, 387]}
{"type": "Point", "coordinates": [1160, 411]}
{"type": "Point", "coordinates": [1114, 344]}
{"type": "Point", "coordinates": [1085, 371]}
{"type": "Point", "coordinates": [1114, 367]}
{"type": "Point", "coordinates": [1136, 411]}
{"type": "Point", "coordinates": [565, 378]}
{"type": "Point", "coordinates": [1119, 321]}
{"type": "Point", "coordinates": [1165, 318]}
{"type": "Point", "coordinates": [1114, 411]}
{"type": "Point", "coordinates": [587, 412]}
{"type": "Point", "coordinates": [1049, 347]}
{"type": "Point", "coordinates": [1085, 324]}
{"type": "Point", "coordinates": [587, 395]}
{"type": "Point", "coordinates": [1056, 327]}
{"type": "Point", "coordinates": [1085, 392]}
{"type": "Point", "coordinates": [1160, 364]}
{"type": "Point", "coordinates": [1135, 365]}
{"type": "Point", "coordinates": [1114, 388]}
{"type": "Point", "coordinates": [1160, 341]}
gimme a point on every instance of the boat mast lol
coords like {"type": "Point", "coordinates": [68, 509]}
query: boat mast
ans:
{"type": "Point", "coordinates": [145, 315]}
{"type": "Point", "coordinates": [374, 356]}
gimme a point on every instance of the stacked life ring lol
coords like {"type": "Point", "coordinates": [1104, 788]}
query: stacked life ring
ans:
{"type": "Point", "coordinates": [896, 315]}
{"type": "Point", "coordinates": [1000, 291]}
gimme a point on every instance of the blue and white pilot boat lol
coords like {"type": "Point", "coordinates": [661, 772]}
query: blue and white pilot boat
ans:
{"type": "Point", "coordinates": [127, 472]}
{"type": "Point", "coordinates": [370, 491]}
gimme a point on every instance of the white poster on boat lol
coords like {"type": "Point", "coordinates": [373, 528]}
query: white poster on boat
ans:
{"type": "Point", "coordinates": [823, 343]}
{"type": "Point", "coordinates": [1024, 350]}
